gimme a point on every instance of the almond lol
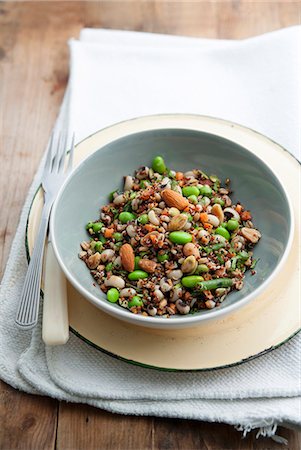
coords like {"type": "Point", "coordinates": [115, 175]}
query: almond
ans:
{"type": "Point", "coordinates": [177, 222]}
{"type": "Point", "coordinates": [174, 199]}
{"type": "Point", "coordinates": [147, 265]}
{"type": "Point", "coordinates": [127, 257]}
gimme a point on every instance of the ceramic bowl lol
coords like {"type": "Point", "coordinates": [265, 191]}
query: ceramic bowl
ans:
{"type": "Point", "coordinates": [185, 145]}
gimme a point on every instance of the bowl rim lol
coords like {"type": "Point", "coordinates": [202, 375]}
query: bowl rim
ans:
{"type": "Point", "coordinates": [185, 320]}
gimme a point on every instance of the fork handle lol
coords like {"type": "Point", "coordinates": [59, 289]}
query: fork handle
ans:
{"type": "Point", "coordinates": [55, 325]}
{"type": "Point", "coordinates": [28, 309]}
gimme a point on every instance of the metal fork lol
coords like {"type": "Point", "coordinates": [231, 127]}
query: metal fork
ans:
{"type": "Point", "coordinates": [52, 178]}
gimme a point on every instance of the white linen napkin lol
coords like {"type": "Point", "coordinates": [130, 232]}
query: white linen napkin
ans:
{"type": "Point", "coordinates": [118, 75]}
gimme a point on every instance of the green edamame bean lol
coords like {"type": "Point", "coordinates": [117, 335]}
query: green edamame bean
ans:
{"type": "Point", "coordinates": [232, 224]}
{"type": "Point", "coordinates": [118, 237]}
{"type": "Point", "coordinates": [158, 164]}
{"type": "Point", "coordinates": [113, 295]}
{"type": "Point", "coordinates": [206, 190]}
{"type": "Point", "coordinates": [102, 239]}
{"type": "Point", "coordinates": [180, 237]}
{"type": "Point", "coordinates": [143, 184]}
{"type": "Point", "coordinates": [205, 201]}
{"type": "Point", "coordinates": [219, 201]}
{"type": "Point", "coordinates": [223, 232]}
{"type": "Point", "coordinates": [187, 191]}
{"type": "Point", "coordinates": [162, 258]}
{"type": "Point", "coordinates": [135, 301]}
{"type": "Point", "coordinates": [109, 267]}
{"type": "Point", "coordinates": [202, 268]}
{"type": "Point", "coordinates": [111, 195]}
{"type": "Point", "coordinates": [89, 225]}
{"type": "Point", "coordinates": [137, 275]}
{"type": "Point", "coordinates": [137, 259]}
{"type": "Point", "coordinates": [143, 219]}
{"type": "Point", "coordinates": [193, 199]}
{"type": "Point", "coordinates": [98, 246]}
{"type": "Point", "coordinates": [97, 226]}
{"type": "Point", "coordinates": [215, 284]}
{"type": "Point", "coordinates": [243, 255]}
{"type": "Point", "coordinates": [191, 281]}
{"type": "Point", "coordinates": [125, 217]}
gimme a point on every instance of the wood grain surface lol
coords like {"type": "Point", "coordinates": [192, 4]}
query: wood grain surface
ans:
{"type": "Point", "coordinates": [33, 76]}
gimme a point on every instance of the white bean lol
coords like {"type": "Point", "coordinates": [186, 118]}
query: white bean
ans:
{"type": "Point", "coordinates": [135, 204]}
{"type": "Point", "coordinates": [174, 211]}
{"type": "Point", "coordinates": [213, 220]}
{"type": "Point", "coordinates": [128, 183]}
{"type": "Point", "coordinates": [175, 274]}
{"type": "Point", "coordinates": [115, 281]}
{"type": "Point", "coordinates": [182, 307]}
{"type": "Point", "coordinates": [165, 287]}
{"type": "Point", "coordinates": [131, 230]}
{"type": "Point", "coordinates": [158, 294]}
{"type": "Point", "coordinates": [119, 200]}
{"type": "Point", "coordinates": [153, 218]}
{"type": "Point", "coordinates": [107, 255]}
{"type": "Point", "coordinates": [234, 213]}
{"type": "Point", "coordinates": [127, 292]}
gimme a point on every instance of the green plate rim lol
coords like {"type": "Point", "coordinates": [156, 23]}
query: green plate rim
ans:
{"type": "Point", "coordinates": [131, 361]}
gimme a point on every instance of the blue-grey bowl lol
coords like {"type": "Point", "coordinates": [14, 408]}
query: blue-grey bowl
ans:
{"type": "Point", "coordinates": [184, 146]}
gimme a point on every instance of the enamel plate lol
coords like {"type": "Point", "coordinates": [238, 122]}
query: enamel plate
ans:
{"type": "Point", "coordinates": [267, 322]}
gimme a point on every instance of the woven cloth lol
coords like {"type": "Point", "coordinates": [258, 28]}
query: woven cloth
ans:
{"type": "Point", "coordinates": [117, 75]}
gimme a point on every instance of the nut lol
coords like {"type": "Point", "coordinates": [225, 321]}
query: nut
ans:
{"type": "Point", "coordinates": [148, 265]}
{"type": "Point", "coordinates": [93, 261]}
{"type": "Point", "coordinates": [191, 249]}
{"type": "Point", "coordinates": [218, 212]}
{"type": "Point", "coordinates": [251, 234]}
{"type": "Point", "coordinates": [174, 199]}
{"type": "Point", "coordinates": [189, 265]}
{"type": "Point", "coordinates": [178, 222]}
{"type": "Point", "coordinates": [127, 257]}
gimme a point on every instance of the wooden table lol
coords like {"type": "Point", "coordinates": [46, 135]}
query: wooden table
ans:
{"type": "Point", "coordinates": [33, 76]}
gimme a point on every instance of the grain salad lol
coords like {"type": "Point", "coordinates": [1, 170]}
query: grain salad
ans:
{"type": "Point", "coordinates": [170, 242]}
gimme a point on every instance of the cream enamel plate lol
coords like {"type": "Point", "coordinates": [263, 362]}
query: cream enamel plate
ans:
{"type": "Point", "coordinates": [264, 324]}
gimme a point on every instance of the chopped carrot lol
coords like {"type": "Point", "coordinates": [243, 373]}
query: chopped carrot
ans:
{"type": "Point", "coordinates": [208, 226]}
{"type": "Point", "coordinates": [246, 215]}
{"type": "Point", "coordinates": [181, 183]}
{"type": "Point", "coordinates": [238, 208]}
{"type": "Point", "coordinates": [179, 176]}
{"type": "Point", "coordinates": [204, 217]}
{"type": "Point", "coordinates": [108, 232]}
{"type": "Point", "coordinates": [149, 227]}
{"type": "Point", "coordinates": [187, 208]}
{"type": "Point", "coordinates": [153, 238]}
